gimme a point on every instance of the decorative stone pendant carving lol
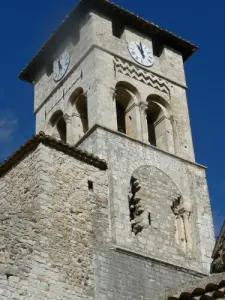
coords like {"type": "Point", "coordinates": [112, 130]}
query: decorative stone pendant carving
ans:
{"type": "Point", "coordinates": [182, 211]}
{"type": "Point", "coordinates": [136, 209]}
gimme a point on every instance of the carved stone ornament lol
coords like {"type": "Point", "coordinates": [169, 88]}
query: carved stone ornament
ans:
{"type": "Point", "coordinates": [182, 210]}
{"type": "Point", "coordinates": [136, 209]}
{"type": "Point", "coordinates": [67, 118]}
{"type": "Point", "coordinates": [126, 68]}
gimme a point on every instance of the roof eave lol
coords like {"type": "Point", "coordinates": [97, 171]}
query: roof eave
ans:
{"type": "Point", "coordinates": [221, 235]}
{"type": "Point", "coordinates": [51, 142]}
{"type": "Point", "coordinates": [186, 48]}
{"type": "Point", "coordinates": [26, 73]}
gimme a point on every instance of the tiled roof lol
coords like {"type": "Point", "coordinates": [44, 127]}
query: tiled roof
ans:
{"type": "Point", "coordinates": [34, 141]}
{"type": "Point", "coordinates": [114, 11]}
{"type": "Point", "coordinates": [208, 288]}
{"type": "Point", "coordinates": [218, 256]}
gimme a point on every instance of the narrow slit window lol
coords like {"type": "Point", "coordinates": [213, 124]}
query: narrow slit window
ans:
{"type": "Point", "coordinates": [157, 48]}
{"type": "Point", "coordinates": [90, 185]}
{"type": "Point", "coordinates": [149, 218]}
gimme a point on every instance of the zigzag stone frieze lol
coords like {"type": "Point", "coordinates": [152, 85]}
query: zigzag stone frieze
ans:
{"type": "Point", "coordinates": [132, 71]}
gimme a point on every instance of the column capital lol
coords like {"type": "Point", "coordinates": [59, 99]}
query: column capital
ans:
{"type": "Point", "coordinates": [67, 118]}
{"type": "Point", "coordinates": [185, 212]}
{"type": "Point", "coordinates": [55, 135]}
{"type": "Point", "coordinates": [187, 206]}
{"type": "Point", "coordinates": [113, 92]}
{"type": "Point", "coordinates": [143, 106]}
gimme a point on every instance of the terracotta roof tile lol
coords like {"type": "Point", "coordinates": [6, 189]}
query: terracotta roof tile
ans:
{"type": "Point", "coordinates": [34, 141]}
{"type": "Point", "coordinates": [208, 288]}
{"type": "Point", "coordinates": [218, 255]}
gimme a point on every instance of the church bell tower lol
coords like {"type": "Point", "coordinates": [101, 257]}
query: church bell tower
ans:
{"type": "Point", "coordinates": [113, 84]}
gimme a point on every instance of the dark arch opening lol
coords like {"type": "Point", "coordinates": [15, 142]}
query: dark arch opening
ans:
{"type": "Point", "coordinates": [153, 114]}
{"type": "Point", "coordinates": [81, 105]}
{"type": "Point", "coordinates": [61, 128]}
{"type": "Point", "coordinates": [125, 110]}
{"type": "Point", "coordinates": [78, 101]}
{"type": "Point", "coordinates": [57, 121]}
{"type": "Point", "coordinates": [120, 113]}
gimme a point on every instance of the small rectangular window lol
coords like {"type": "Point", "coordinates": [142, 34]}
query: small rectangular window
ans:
{"type": "Point", "coordinates": [117, 29]}
{"type": "Point", "coordinates": [149, 219]}
{"type": "Point", "coordinates": [90, 185]}
{"type": "Point", "coordinates": [157, 48]}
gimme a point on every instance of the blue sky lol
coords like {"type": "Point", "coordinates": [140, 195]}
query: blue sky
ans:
{"type": "Point", "coordinates": [25, 26]}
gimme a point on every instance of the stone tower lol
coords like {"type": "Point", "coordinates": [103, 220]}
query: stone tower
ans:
{"type": "Point", "coordinates": [112, 84]}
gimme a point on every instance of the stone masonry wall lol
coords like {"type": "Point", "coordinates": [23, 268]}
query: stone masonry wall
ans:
{"type": "Point", "coordinates": [62, 240]}
{"type": "Point", "coordinates": [56, 241]}
{"type": "Point", "coordinates": [157, 195]}
{"type": "Point", "coordinates": [96, 30]}
{"type": "Point", "coordinates": [99, 61]}
{"type": "Point", "coordinates": [124, 156]}
{"type": "Point", "coordinates": [50, 224]}
{"type": "Point", "coordinates": [128, 276]}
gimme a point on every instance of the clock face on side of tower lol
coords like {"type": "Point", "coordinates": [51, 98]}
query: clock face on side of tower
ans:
{"type": "Point", "coordinates": [141, 53]}
{"type": "Point", "coordinates": [60, 66]}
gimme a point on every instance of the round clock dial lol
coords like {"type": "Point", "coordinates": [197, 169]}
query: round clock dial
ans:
{"type": "Point", "coordinates": [61, 65]}
{"type": "Point", "coordinates": [141, 53]}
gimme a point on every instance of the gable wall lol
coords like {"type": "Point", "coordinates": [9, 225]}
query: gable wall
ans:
{"type": "Point", "coordinates": [49, 226]}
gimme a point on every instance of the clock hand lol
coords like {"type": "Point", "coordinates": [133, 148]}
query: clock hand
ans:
{"type": "Point", "coordinates": [138, 47]}
{"type": "Point", "coordinates": [142, 51]}
{"type": "Point", "coordinates": [59, 64]}
{"type": "Point", "coordinates": [141, 47]}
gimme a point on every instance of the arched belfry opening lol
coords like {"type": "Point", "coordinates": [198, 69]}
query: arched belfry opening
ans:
{"type": "Point", "coordinates": [154, 114]}
{"type": "Point", "coordinates": [58, 126]}
{"type": "Point", "coordinates": [121, 117]}
{"type": "Point", "coordinates": [79, 113]}
{"type": "Point", "coordinates": [160, 133]}
{"type": "Point", "coordinates": [126, 109]}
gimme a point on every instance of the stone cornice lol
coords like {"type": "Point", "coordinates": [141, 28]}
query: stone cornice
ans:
{"type": "Point", "coordinates": [161, 262]}
{"type": "Point", "coordinates": [96, 126]}
{"type": "Point", "coordinates": [113, 11]}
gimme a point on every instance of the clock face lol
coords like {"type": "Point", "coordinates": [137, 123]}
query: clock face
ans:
{"type": "Point", "coordinates": [61, 65]}
{"type": "Point", "coordinates": [141, 53]}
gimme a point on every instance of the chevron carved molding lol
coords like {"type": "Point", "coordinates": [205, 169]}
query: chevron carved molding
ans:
{"type": "Point", "coordinates": [126, 68]}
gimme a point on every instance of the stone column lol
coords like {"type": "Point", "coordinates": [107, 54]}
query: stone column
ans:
{"type": "Point", "coordinates": [187, 229]}
{"type": "Point", "coordinates": [176, 138]}
{"type": "Point", "coordinates": [133, 122]}
{"type": "Point", "coordinates": [114, 115]}
{"type": "Point", "coordinates": [181, 233]}
{"type": "Point", "coordinates": [69, 131]}
{"type": "Point", "coordinates": [144, 123]}
{"type": "Point", "coordinates": [169, 135]}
